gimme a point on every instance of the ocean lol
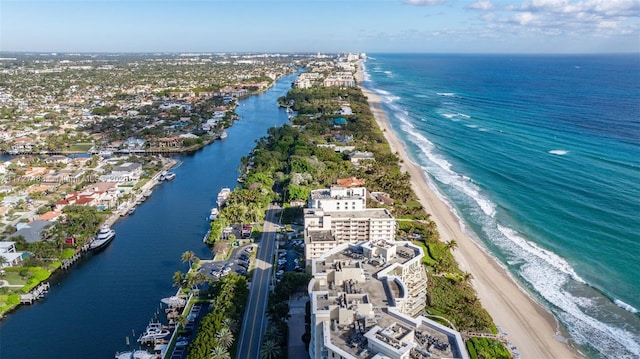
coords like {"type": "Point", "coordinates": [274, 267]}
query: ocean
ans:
{"type": "Point", "coordinates": [539, 156]}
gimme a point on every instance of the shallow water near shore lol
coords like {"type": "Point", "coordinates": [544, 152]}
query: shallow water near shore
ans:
{"type": "Point", "coordinates": [539, 156]}
{"type": "Point", "coordinates": [113, 294]}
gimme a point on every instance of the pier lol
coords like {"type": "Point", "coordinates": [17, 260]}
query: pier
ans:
{"type": "Point", "coordinates": [35, 294]}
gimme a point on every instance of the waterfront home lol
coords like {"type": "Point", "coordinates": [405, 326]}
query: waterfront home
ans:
{"type": "Point", "coordinates": [22, 144]}
{"type": "Point", "coordinates": [359, 156]}
{"type": "Point", "coordinates": [350, 182]}
{"type": "Point", "coordinates": [345, 110]}
{"type": "Point", "coordinates": [50, 216]}
{"type": "Point", "coordinates": [89, 197]}
{"type": "Point", "coordinates": [337, 149]}
{"type": "Point", "coordinates": [167, 142]}
{"type": "Point", "coordinates": [56, 159]}
{"type": "Point", "coordinates": [126, 172]}
{"type": "Point", "coordinates": [342, 138]}
{"type": "Point", "coordinates": [31, 232]}
{"type": "Point", "coordinates": [134, 144]}
{"type": "Point", "coordinates": [10, 255]}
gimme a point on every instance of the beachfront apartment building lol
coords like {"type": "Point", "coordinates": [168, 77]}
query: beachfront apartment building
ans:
{"type": "Point", "coordinates": [340, 79]}
{"type": "Point", "coordinates": [339, 199]}
{"type": "Point", "coordinates": [339, 215]}
{"type": "Point", "coordinates": [362, 299]}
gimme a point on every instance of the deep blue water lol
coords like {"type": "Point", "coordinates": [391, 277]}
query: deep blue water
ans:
{"type": "Point", "coordinates": [93, 307]}
{"type": "Point", "coordinates": [540, 157]}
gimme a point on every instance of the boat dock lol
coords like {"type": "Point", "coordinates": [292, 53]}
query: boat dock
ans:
{"type": "Point", "coordinates": [35, 294]}
{"type": "Point", "coordinates": [67, 263]}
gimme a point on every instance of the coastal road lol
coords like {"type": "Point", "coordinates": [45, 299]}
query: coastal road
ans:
{"type": "Point", "coordinates": [254, 315]}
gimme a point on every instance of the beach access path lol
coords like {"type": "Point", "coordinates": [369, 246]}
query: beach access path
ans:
{"type": "Point", "coordinates": [531, 328]}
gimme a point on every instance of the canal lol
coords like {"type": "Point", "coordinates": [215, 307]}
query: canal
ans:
{"type": "Point", "coordinates": [107, 296]}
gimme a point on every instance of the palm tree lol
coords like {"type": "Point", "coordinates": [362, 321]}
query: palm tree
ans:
{"type": "Point", "coordinates": [272, 333]}
{"type": "Point", "coordinates": [452, 244]}
{"type": "Point", "coordinates": [219, 352]}
{"type": "Point", "coordinates": [230, 323]}
{"type": "Point", "coordinates": [224, 337]}
{"type": "Point", "coordinates": [182, 320]}
{"type": "Point", "coordinates": [270, 349]}
{"type": "Point", "coordinates": [188, 256]}
{"type": "Point", "coordinates": [178, 278]}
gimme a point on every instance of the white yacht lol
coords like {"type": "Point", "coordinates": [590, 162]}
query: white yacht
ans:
{"type": "Point", "coordinates": [223, 135]}
{"type": "Point", "coordinates": [154, 331]}
{"type": "Point", "coordinates": [103, 237]}
{"type": "Point", "coordinates": [169, 176]}
{"type": "Point", "coordinates": [136, 354]}
{"type": "Point", "coordinates": [222, 196]}
{"type": "Point", "coordinates": [214, 213]}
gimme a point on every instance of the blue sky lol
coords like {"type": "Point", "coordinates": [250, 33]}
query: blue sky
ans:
{"type": "Point", "coordinates": [433, 26]}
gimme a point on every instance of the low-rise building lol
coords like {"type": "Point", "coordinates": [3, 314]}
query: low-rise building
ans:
{"type": "Point", "coordinates": [31, 232]}
{"type": "Point", "coordinates": [10, 256]}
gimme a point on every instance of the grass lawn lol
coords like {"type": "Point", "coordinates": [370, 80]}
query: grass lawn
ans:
{"type": "Point", "coordinates": [14, 278]}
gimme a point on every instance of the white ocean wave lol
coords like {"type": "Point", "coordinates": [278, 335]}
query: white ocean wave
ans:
{"type": "Point", "coordinates": [446, 175]}
{"type": "Point", "coordinates": [551, 258]}
{"type": "Point", "coordinates": [558, 152]}
{"type": "Point", "coordinates": [625, 306]}
{"type": "Point", "coordinates": [446, 94]}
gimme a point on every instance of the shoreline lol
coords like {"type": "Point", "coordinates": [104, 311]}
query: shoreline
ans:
{"type": "Point", "coordinates": [531, 327]}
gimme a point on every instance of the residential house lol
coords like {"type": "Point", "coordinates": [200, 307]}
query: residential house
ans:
{"type": "Point", "coordinates": [167, 142]}
{"type": "Point", "coordinates": [342, 138]}
{"type": "Point", "coordinates": [22, 144]}
{"type": "Point", "coordinates": [10, 255]}
{"type": "Point", "coordinates": [134, 144]}
{"type": "Point", "coordinates": [350, 182]}
{"type": "Point", "coordinates": [124, 173]}
{"type": "Point", "coordinates": [33, 231]}
{"type": "Point", "coordinates": [56, 159]}
{"type": "Point", "coordinates": [359, 156]}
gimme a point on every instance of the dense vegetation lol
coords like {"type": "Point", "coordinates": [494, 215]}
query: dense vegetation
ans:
{"type": "Point", "coordinates": [215, 336]}
{"type": "Point", "coordinates": [484, 348]}
{"type": "Point", "coordinates": [297, 165]}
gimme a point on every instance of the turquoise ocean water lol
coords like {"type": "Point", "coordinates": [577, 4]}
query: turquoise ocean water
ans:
{"type": "Point", "coordinates": [540, 158]}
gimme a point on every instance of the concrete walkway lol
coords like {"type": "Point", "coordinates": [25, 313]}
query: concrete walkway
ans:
{"type": "Point", "coordinates": [4, 283]}
{"type": "Point", "coordinates": [297, 304]}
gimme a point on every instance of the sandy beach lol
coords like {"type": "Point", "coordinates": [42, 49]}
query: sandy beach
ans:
{"type": "Point", "coordinates": [530, 327]}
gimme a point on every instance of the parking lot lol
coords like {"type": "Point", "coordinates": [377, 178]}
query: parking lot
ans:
{"type": "Point", "coordinates": [238, 262]}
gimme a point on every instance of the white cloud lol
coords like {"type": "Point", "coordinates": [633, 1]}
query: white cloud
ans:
{"type": "Point", "coordinates": [423, 2]}
{"type": "Point", "coordinates": [482, 5]}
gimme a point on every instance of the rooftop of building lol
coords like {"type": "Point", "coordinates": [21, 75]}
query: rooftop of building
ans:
{"type": "Point", "coordinates": [345, 279]}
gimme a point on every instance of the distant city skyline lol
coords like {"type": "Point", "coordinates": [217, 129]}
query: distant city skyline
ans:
{"type": "Point", "coordinates": [431, 26]}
